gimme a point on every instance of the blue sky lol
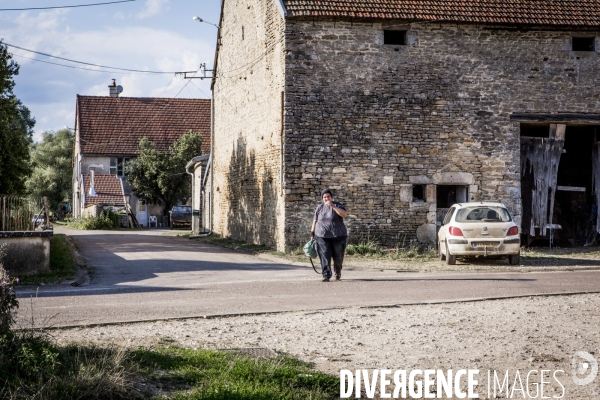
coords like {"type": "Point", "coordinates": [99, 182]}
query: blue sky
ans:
{"type": "Point", "coordinates": [156, 35]}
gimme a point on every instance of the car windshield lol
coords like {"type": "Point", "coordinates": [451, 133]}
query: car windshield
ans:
{"type": "Point", "coordinates": [181, 209]}
{"type": "Point", "coordinates": [483, 214]}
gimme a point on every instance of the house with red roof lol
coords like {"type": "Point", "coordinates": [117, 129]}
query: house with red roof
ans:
{"type": "Point", "coordinates": [402, 108]}
{"type": "Point", "coordinates": [107, 133]}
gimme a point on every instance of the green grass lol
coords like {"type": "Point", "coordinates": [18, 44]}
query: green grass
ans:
{"type": "Point", "coordinates": [365, 247]}
{"type": "Point", "coordinates": [213, 375]}
{"type": "Point", "coordinates": [232, 244]}
{"type": "Point", "coordinates": [31, 366]}
{"type": "Point", "coordinates": [62, 263]}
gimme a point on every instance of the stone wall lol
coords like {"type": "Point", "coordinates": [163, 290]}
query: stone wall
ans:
{"type": "Point", "coordinates": [371, 120]}
{"type": "Point", "coordinates": [247, 149]}
{"type": "Point", "coordinates": [27, 253]}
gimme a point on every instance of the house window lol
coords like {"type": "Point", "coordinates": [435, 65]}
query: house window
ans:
{"type": "Point", "coordinates": [118, 166]}
{"type": "Point", "coordinates": [418, 193]}
{"type": "Point", "coordinates": [447, 195]}
{"type": "Point", "coordinates": [583, 43]}
{"type": "Point", "coordinates": [141, 205]}
{"type": "Point", "coordinates": [394, 37]}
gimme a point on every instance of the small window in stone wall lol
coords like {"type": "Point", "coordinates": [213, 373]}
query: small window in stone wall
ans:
{"type": "Point", "coordinates": [447, 195]}
{"type": "Point", "coordinates": [394, 37]}
{"type": "Point", "coordinates": [418, 194]}
{"type": "Point", "coordinates": [583, 43]}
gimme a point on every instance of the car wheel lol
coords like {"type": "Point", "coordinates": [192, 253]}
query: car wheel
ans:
{"type": "Point", "coordinates": [450, 259]}
{"type": "Point", "coordinates": [514, 259]}
{"type": "Point", "coordinates": [440, 254]}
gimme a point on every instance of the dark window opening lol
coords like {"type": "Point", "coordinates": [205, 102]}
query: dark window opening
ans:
{"type": "Point", "coordinates": [394, 37]}
{"type": "Point", "coordinates": [118, 166]}
{"type": "Point", "coordinates": [447, 195]}
{"type": "Point", "coordinates": [584, 43]}
{"type": "Point", "coordinates": [418, 193]}
{"type": "Point", "coordinates": [535, 130]}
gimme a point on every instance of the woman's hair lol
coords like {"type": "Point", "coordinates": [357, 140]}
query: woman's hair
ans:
{"type": "Point", "coordinates": [325, 191]}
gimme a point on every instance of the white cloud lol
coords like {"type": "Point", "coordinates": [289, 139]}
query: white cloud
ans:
{"type": "Point", "coordinates": [152, 7]}
{"type": "Point", "coordinates": [50, 91]}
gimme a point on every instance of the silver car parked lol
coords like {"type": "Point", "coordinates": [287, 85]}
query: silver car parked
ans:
{"type": "Point", "coordinates": [479, 229]}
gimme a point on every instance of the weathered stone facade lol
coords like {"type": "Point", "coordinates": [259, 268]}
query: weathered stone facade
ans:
{"type": "Point", "coordinates": [247, 149]}
{"type": "Point", "coordinates": [381, 118]}
{"type": "Point", "coordinates": [371, 120]}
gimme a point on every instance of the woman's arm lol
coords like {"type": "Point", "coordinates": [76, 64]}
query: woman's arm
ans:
{"type": "Point", "coordinates": [312, 229]}
{"type": "Point", "coordinates": [339, 211]}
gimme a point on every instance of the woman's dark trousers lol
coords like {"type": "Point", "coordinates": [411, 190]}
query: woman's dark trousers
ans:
{"type": "Point", "coordinates": [329, 248]}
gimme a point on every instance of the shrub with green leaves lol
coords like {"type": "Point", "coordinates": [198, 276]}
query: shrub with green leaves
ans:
{"type": "Point", "coordinates": [104, 221]}
{"type": "Point", "coordinates": [8, 297]}
{"type": "Point", "coordinates": [364, 247]}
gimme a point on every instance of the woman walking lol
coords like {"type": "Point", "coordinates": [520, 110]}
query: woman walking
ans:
{"type": "Point", "coordinates": [330, 234]}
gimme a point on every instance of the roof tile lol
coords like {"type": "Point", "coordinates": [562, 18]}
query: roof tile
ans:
{"type": "Point", "coordinates": [572, 13]}
{"type": "Point", "coordinates": [115, 125]}
{"type": "Point", "coordinates": [107, 187]}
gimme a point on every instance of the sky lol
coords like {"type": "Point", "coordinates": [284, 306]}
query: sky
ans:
{"type": "Point", "coordinates": [147, 35]}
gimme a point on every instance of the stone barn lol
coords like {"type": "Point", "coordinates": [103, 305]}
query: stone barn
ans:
{"type": "Point", "coordinates": [403, 107]}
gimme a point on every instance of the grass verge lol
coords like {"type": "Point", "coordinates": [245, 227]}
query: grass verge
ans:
{"type": "Point", "coordinates": [213, 375]}
{"type": "Point", "coordinates": [62, 263]}
{"type": "Point", "coordinates": [32, 367]}
{"type": "Point", "coordinates": [233, 244]}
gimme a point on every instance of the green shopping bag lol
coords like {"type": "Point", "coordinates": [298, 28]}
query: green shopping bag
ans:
{"type": "Point", "coordinates": [310, 250]}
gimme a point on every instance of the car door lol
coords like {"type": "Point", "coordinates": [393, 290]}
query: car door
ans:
{"type": "Point", "coordinates": [443, 233]}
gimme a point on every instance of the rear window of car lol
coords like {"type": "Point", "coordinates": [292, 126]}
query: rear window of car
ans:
{"type": "Point", "coordinates": [483, 214]}
{"type": "Point", "coordinates": [182, 209]}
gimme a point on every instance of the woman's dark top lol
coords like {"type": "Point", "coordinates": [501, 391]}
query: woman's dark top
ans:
{"type": "Point", "coordinates": [329, 224]}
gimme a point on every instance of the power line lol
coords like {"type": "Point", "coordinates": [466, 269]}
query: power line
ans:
{"type": "Point", "coordinates": [74, 6]}
{"type": "Point", "coordinates": [90, 64]}
{"type": "Point", "coordinates": [63, 65]}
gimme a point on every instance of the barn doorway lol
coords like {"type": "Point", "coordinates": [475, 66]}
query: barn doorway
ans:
{"type": "Point", "coordinates": [557, 183]}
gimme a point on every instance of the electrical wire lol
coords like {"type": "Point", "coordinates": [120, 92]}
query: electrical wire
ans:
{"type": "Point", "coordinates": [74, 6]}
{"type": "Point", "coordinates": [160, 111]}
{"type": "Point", "coordinates": [90, 64]}
{"type": "Point", "coordinates": [67, 66]}
{"type": "Point", "coordinates": [202, 91]}
{"type": "Point", "coordinates": [150, 120]}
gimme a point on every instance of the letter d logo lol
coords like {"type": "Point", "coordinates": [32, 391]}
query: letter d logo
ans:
{"type": "Point", "coordinates": [584, 363]}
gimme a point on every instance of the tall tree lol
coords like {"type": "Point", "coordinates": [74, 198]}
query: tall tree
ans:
{"type": "Point", "coordinates": [52, 168]}
{"type": "Point", "coordinates": [16, 130]}
{"type": "Point", "coordinates": [160, 177]}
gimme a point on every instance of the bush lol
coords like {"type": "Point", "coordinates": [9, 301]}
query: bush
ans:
{"type": "Point", "coordinates": [105, 220]}
{"type": "Point", "coordinates": [364, 247]}
{"type": "Point", "coordinates": [8, 297]}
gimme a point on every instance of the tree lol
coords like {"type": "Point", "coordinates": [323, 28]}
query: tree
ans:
{"type": "Point", "coordinates": [52, 168]}
{"type": "Point", "coordinates": [161, 177]}
{"type": "Point", "coordinates": [16, 130]}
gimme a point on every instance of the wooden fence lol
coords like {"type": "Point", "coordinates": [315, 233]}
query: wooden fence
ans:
{"type": "Point", "coordinates": [17, 213]}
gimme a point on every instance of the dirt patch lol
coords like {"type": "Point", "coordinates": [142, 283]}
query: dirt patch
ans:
{"type": "Point", "coordinates": [533, 260]}
{"type": "Point", "coordinates": [534, 333]}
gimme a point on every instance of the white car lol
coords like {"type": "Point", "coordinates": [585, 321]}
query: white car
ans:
{"type": "Point", "coordinates": [479, 229]}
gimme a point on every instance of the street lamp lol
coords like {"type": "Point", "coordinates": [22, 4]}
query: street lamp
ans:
{"type": "Point", "coordinates": [201, 20]}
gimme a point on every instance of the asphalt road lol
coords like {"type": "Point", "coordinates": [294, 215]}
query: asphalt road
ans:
{"type": "Point", "coordinates": [145, 275]}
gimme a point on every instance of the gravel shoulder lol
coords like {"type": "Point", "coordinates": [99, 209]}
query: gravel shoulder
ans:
{"type": "Point", "coordinates": [524, 334]}
{"type": "Point", "coordinates": [532, 260]}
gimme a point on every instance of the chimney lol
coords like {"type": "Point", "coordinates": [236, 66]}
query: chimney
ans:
{"type": "Point", "coordinates": [114, 89]}
{"type": "Point", "coordinates": [92, 189]}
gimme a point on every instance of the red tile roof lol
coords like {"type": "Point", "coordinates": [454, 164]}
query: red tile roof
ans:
{"type": "Point", "coordinates": [114, 126]}
{"type": "Point", "coordinates": [108, 189]}
{"type": "Point", "coordinates": [573, 13]}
